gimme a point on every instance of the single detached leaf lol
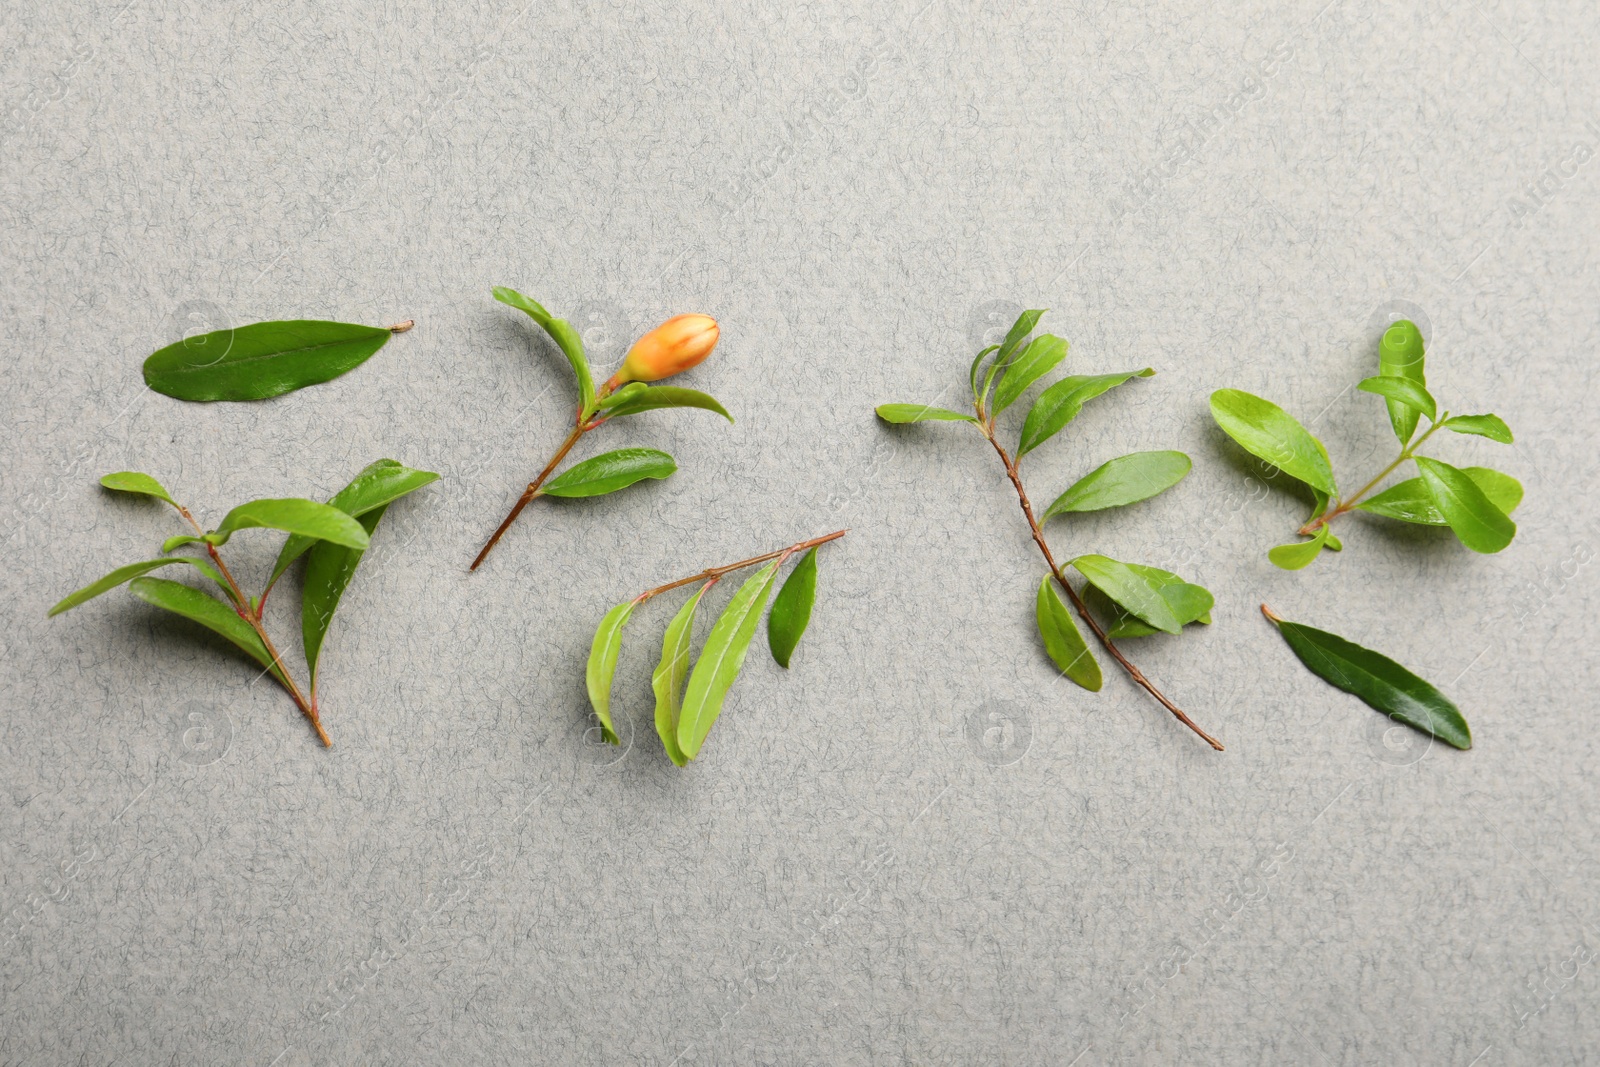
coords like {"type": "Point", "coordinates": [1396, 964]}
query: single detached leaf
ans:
{"type": "Point", "coordinates": [1060, 404]}
{"type": "Point", "coordinates": [209, 612]}
{"type": "Point", "coordinates": [603, 666]}
{"type": "Point", "coordinates": [329, 569]}
{"type": "Point", "coordinates": [1413, 394]}
{"type": "Point", "coordinates": [562, 333]}
{"type": "Point", "coordinates": [667, 680]}
{"type": "Point", "coordinates": [378, 485]}
{"type": "Point", "coordinates": [1133, 588]}
{"type": "Point", "coordinates": [609, 471]}
{"type": "Point", "coordinates": [264, 359]}
{"type": "Point", "coordinates": [1124, 480]}
{"type": "Point", "coordinates": [666, 396]}
{"type": "Point", "coordinates": [721, 659]}
{"type": "Point", "coordinates": [1062, 640]}
{"type": "Point", "coordinates": [791, 608]}
{"type": "Point", "coordinates": [1299, 554]}
{"type": "Point", "coordinates": [1491, 426]}
{"type": "Point", "coordinates": [128, 574]}
{"type": "Point", "coordinates": [1189, 603]}
{"type": "Point", "coordinates": [320, 522]}
{"type": "Point", "coordinates": [1268, 432]}
{"type": "Point", "coordinates": [1008, 348]}
{"type": "Point", "coordinates": [1034, 362]}
{"type": "Point", "coordinates": [1409, 501]}
{"type": "Point", "coordinates": [1400, 355]}
{"type": "Point", "coordinates": [1473, 517]}
{"type": "Point", "coordinates": [1376, 679]}
{"type": "Point", "coordinates": [134, 482]}
{"type": "Point", "coordinates": [904, 413]}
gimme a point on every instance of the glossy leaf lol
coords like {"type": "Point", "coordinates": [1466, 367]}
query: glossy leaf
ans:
{"type": "Point", "coordinates": [264, 359]}
{"type": "Point", "coordinates": [609, 471]}
{"type": "Point", "coordinates": [791, 608]}
{"type": "Point", "coordinates": [1008, 348]}
{"type": "Point", "coordinates": [1378, 680]}
{"type": "Point", "coordinates": [134, 482]}
{"type": "Point", "coordinates": [1124, 480]}
{"type": "Point", "coordinates": [904, 413]}
{"type": "Point", "coordinates": [1409, 501]}
{"type": "Point", "coordinates": [721, 659]}
{"type": "Point", "coordinates": [1473, 517]}
{"type": "Point", "coordinates": [378, 485]}
{"type": "Point", "coordinates": [1132, 587]}
{"type": "Point", "coordinates": [1062, 640]}
{"type": "Point", "coordinates": [1060, 404]}
{"type": "Point", "coordinates": [1491, 426]}
{"type": "Point", "coordinates": [1400, 355]}
{"type": "Point", "coordinates": [1268, 432]}
{"type": "Point", "coordinates": [666, 396]}
{"type": "Point", "coordinates": [667, 679]}
{"type": "Point", "coordinates": [318, 521]}
{"type": "Point", "coordinates": [602, 667]}
{"type": "Point", "coordinates": [621, 396]}
{"type": "Point", "coordinates": [1034, 362]}
{"type": "Point", "coordinates": [1189, 603]}
{"type": "Point", "coordinates": [1294, 556]}
{"type": "Point", "coordinates": [128, 574]}
{"type": "Point", "coordinates": [977, 361]}
{"type": "Point", "coordinates": [329, 569]}
{"type": "Point", "coordinates": [179, 540]}
{"type": "Point", "coordinates": [1413, 394]}
{"type": "Point", "coordinates": [562, 333]}
{"type": "Point", "coordinates": [209, 612]}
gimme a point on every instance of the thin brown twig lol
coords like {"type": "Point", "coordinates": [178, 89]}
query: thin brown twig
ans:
{"type": "Point", "coordinates": [712, 573]}
{"type": "Point", "coordinates": [533, 490]}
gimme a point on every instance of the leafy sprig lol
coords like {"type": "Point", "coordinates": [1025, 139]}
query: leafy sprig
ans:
{"type": "Point", "coordinates": [1134, 600]}
{"type": "Point", "coordinates": [333, 536]}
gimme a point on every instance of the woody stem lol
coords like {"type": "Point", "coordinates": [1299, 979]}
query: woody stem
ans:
{"type": "Point", "coordinates": [532, 490]}
{"type": "Point", "coordinates": [718, 572]}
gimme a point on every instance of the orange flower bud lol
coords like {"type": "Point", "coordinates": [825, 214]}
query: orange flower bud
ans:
{"type": "Point", "coordinates": [676, 345]}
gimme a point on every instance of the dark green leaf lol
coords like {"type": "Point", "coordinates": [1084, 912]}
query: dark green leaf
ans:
{"type": "Point", "coordinates": [1294, 556]}
{"type": "Point", "coordinates": [603, 666]}
{"type": "Point", "coordinates": [1473, 517]}
{"type": "Point", "coordinates": [1124, 480]}
{"type": "Point", "coordinates": [329, 569]}
{"type": "Point", "coordinates": [134, 482]}
{"type": "Point", "coordinates": [1413, 394]}
{"type": "Point", "coordinates": [262, 360]}
{"type": "Point", "coordinates": [1034, 362]}
{"type": "Point", "coordinates": [1409, 501]}
{"type": "Point", "coordinates": [209, 612]}
{"type": "Point", "coordinates": [128, 574]}
{"type": "Point", "coordinates": [562, 333]}
{"type": "Point", "coordinates": [667, 680]}
{"type": "Point", "coordinates": [609, 471]}
{"type": "Point", "coordinates": [666, 396]}
{"type": "Point", "coordinates": [900, 414]}
{"type": "Point", "coordinates": [1376, 679]}
{"type": "Point", "coordinates": [791, 609]}
{"type": "Point", "coordinates": [1268, 432]}
{"type": "Point", "coordinates": [378, 485]}
{"type": "Point", "coordinates": [1400, 355]}
{"type": "Point", "coordinates": [293, 515]}
{"type": "Point", "coordinates": [1132, 587]}
{"type": "Point", "coordinates": [1189, 603]}
{"type": "Point", "coordinates": [1491, 426]}
{"type": "Point", "coordinates": [721, 659]}
{"type": "Point", "coordinates": [1060, 404]}
{"type": "Point", "coordinates": [1062, 640]}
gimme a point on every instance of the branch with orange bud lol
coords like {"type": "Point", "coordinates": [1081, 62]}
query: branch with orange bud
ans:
{"type": "Point", "coordinates": [682, 342]}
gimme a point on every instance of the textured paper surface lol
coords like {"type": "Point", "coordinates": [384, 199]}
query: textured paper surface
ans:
{"type": "Point", "coordinates": [916, 846]}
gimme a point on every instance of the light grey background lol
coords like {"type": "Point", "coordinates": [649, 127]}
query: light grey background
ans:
{"type": "Point", "coordinates": [917, 846]}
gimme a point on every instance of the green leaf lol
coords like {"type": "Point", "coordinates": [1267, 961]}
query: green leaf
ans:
{"type": "Point", "coordinates": [134, 482]}
{"type": "Point", "coordinates": [1062, 640]}
{"type": "Point", "coordinates": [1124, 480]}
{"type": "Point", "coordinates": [1132, 587]}
{"type": "Point", "coordinates": [562, 333]}
{"type": "Point", "coordinates": [667, 680]}
{"type": "Point", "coordinates": [1400, 355]}
{"type": "Point", "coordinates": [329, 569]}
{"type": "Point", "coordinates": [1008, 348]}
{"type": "Point", "coordinates": [621, 396]}
{"type": "Point", "coordinates": [1268, 432]}
{"type": "Point", "coordinates": [608, 472]}
{"type": "Point", "coordinates": [1413, 394]}
{"type": "Point", "coordinates": [1473, 517]}
{"type": "Point", "coordinates": [666, 396]}
{"type": "Point", "coordinates": [1294, 556]}
{"type": "Point", "coordinates": [1038, 359]}
{"type": "Point", "coordinates": [791, 609]}
{"type": "Point", "coordinates": [1409, 501]}
{"type": "Point", "coordinates": [179, 540]}
{"type": "Point", "coordinates": [603, 666]}
{"type": "Point", "coordinates": [1491, 426]}
{"type": "Point", "coordinates": [1060, 404]}
{"type": "Point", "coordinates": [1189, 603]}
{"type": "Point", "coordinates": [128, 574]}
{"type": "Point", "coordinates": [899, 414]}
{"type": "Point", "coordinates": [977, 361]}
{"type": "Point", "coordinates": [378, 485]}
{"type": "Point", "coordinates": [721, 659]}
{"type": "Point", "coordinates": [293, 515]}
{"type": "Point", "coordinates": [209, 612]}
{"type": "Point", "coordinates": [1376, 679]}
{"type": "Point", "coordinates": [261, 360]}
